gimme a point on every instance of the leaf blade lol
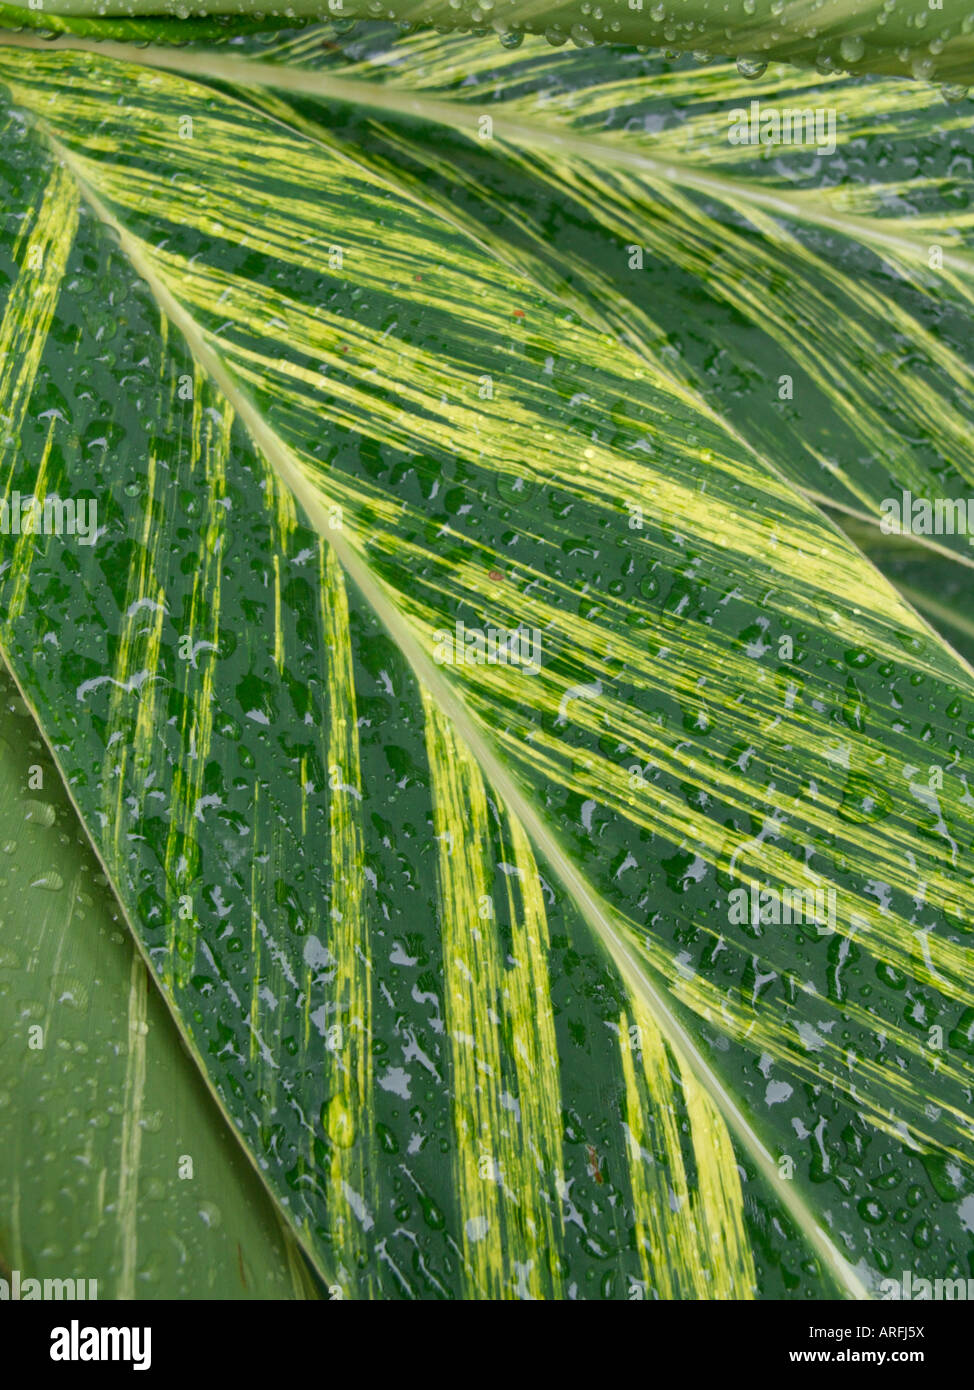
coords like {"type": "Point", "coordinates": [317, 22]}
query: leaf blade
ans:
{"type": "Point", "coordinates": [385, 537]}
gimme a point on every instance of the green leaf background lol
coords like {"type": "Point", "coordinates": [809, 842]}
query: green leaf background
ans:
{"type": "Point", "coordinates": [449, 947]}
{"type": "Point", "coordinates": [108, 1104]}
{"type": "Point", "coordinates": [924, 39]}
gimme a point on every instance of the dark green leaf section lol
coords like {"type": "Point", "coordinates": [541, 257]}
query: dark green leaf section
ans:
{"type": "Point", "coordinates": [933, 583]}
{"type": "Point", "coordinates": [157, 29]}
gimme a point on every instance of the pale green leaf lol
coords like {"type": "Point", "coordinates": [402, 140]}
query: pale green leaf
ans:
{"type": "Point", "coordinates": [116, 1167]}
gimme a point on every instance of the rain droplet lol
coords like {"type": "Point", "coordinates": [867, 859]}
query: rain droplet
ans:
{"type": "Point", "coordinates": [210, 1214]}
{"type": "Point", "coordinates": [52, 881]}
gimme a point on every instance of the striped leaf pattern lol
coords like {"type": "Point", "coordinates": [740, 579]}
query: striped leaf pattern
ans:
{"type": "Point", "coordinates": [457, 941]}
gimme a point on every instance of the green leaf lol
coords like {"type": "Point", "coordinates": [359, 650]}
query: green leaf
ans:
{"type": "Point", "coordinates": [914, 37]}
{"type": "Point", "coordinates": [831, 293]}
{"type": "Point", "coordinates": [455, 944]}
{"type": "Point", "coordinates": [159, 29]}
{"type": "Point", "coordinates": [116, 1168]}
{"type": "Point", "coordinates": [933, 583]}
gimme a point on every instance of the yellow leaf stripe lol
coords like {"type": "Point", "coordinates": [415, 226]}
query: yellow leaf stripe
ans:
{"type": "Point", "coordinates": [42, 251]}
{"type": "Point", "coordinates": [509, 1166]}
{"type": "Point", "coordinates": [347, 1112]}
{"type": "Point", "coordinates": [689, 1229]}
{"type": "Point", "coordinates": [690, 1237]}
